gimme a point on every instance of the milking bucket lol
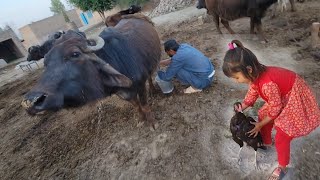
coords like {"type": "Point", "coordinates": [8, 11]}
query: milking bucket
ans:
{"type": "Point", "coordinates": [165, 86]}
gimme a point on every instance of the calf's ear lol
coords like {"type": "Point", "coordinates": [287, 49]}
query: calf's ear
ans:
{"type": "Point", "coordinates": [113, 78]}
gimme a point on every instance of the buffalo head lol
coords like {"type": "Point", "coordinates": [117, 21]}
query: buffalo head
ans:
{"type": "Point", "coordinates": [73, 75]}
{"type": "Point", "coordinates": [134, 9]}
{"type": "Point", "coordinates": [34, 53]}
{"type": "Point", "coordinates": [201, 4]}
{"type": "Point", "coordinates": [38, 52]}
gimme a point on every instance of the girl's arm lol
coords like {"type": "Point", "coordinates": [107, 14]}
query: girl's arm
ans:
{"type": "Point", "coordinates": [244, 106]}
{"type": "Point", "coordinates": [251, 97]}
{"type": "Point", "coordinates": [272, 92]}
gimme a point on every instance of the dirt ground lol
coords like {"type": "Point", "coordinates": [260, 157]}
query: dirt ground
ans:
{"type": "Point", "coordinates": [101, 141]}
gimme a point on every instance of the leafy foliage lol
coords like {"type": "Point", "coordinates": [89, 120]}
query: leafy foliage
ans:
{"type": "Point", "coordinates": [94, 5]}
{"type": "Point", "coordinates": [103, 5]}
{"type": "Point", "coordinates": [58, 8]}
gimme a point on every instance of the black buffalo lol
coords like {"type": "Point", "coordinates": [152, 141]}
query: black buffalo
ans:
{"type": "Point", "coordinates": [37, 52]}
{"type": "Point", "coordinates": [240, 125]}
{"type": "Point", "coordinates": [115, 18]}
{"type": "Point", "coordinates": [229, 10]}
{"type": "Point", "coordinates": [78, 70]}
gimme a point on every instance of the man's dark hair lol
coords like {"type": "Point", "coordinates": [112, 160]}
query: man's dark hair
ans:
{"type": "Point", "coordinates": [171, 44]}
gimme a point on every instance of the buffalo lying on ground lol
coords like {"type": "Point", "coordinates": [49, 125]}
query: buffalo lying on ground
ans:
{"type": "Point", "coordinates": [37, 52]}
{"type": "Point", "coordinates": [115, 18]}
{"type": "Point", "coordinates": [229, 10]}
{"type": "Point", "coordinates": [119, 61]}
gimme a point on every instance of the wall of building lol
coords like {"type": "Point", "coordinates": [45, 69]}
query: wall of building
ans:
{"type": "Point", "coordinates": [96, 18]}
{"type": "Point", "coordinates": [11, 47]}
{"type": "Point", "coordinates": [37, 32]}
{"type": "Point", "coordinates": [29, 38]}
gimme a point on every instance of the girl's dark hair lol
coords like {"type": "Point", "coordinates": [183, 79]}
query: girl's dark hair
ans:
{"type": "Point", "coordinates": [171, 44]}
{"type": "Point", "coordinates": [240, 59]}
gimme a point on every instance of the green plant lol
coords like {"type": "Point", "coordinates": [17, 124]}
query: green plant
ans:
{"type": "Point", "coordinates": [103, 5]}
{"type": "Point", "coordinates": [58, 8]}
{"type": "Point", "coordinates": [94, 5]}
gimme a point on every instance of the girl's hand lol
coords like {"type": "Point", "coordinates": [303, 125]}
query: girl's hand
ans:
{"type": "Point", "coordinates": [255, 130]}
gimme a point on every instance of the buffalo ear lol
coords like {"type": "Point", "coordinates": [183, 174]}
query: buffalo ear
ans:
{"type": "Point", "coordinates": [113, 78]}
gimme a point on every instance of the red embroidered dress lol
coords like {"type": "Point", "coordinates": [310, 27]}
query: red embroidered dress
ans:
{"type": "Point", "coordinates": [289, 101]}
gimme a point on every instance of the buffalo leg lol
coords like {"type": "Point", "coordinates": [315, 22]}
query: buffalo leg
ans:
{"type": "Point", "coordinates": [152, 89]}
{"type": "Point", "coordinates": [258, 24]}
{"type": "Point", "coordinates": [238, 141]}
{"type": "Point", "coordinates": [293, 7]}
{"type": "Point", "coordinates": [146, 108]}
{"type": "Point", "coordinates": [226, 24]}
{"type": "Point", "coordinates": [239, 157]}
{"type": "Point", "coordinates": [255, 158]}
{"type": "Point", "coordinates": [251, 26]}
{"type": "Point", "coordinates": [216, 21]}
{"type": "Point", "coordinates": [136, 103]}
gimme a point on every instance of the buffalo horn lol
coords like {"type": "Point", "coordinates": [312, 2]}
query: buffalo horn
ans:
{"type": "Point", "coordinates": [99, 43]}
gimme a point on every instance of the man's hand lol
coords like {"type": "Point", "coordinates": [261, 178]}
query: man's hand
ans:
{"type": "Point", "coordinates": [165, 62]}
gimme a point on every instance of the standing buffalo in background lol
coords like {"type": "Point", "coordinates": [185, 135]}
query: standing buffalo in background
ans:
{"type": "Point", "coordinates": [119, 61]}
{"type": "Point", "coordinates": [115, 18]}
{"type": "Point", "coordinates": [229, 10]}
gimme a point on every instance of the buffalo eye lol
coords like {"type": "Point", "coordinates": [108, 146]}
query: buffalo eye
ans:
{"type": "Point", "coordinates": [75, 54]}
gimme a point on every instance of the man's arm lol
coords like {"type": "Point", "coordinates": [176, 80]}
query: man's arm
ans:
{"type": "Point", "coordinates": [165, 62]}
{"type": "Point", "coordinates": [175, 65]}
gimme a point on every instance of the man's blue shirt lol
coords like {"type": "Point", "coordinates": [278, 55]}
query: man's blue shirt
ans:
{"type": "Point", "coordinates": [189, 59]}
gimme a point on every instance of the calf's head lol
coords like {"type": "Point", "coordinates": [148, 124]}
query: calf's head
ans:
{"type": "Point", "coordinates": [73, 75]}
{"type": "Point", "coordinates": [134, 9]}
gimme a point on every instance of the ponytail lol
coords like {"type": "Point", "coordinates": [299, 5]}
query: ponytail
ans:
{"type": "Point", "coordinates": [239, 59]}
{"type": "Point", "coordinates": [238, 43]}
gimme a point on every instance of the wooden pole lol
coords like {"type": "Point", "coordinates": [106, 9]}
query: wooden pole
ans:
{"type": "Point", "coordinates": [315, 40]}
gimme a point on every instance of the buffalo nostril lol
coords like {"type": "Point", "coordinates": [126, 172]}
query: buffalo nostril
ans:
{"type": "Point", "coordinates": [34, 99]}
{"type": "Point", "coordinates": [38, 101]}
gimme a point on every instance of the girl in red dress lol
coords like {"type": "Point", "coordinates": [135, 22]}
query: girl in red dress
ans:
{"type": "Point", "coordinates": [290, 105]}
